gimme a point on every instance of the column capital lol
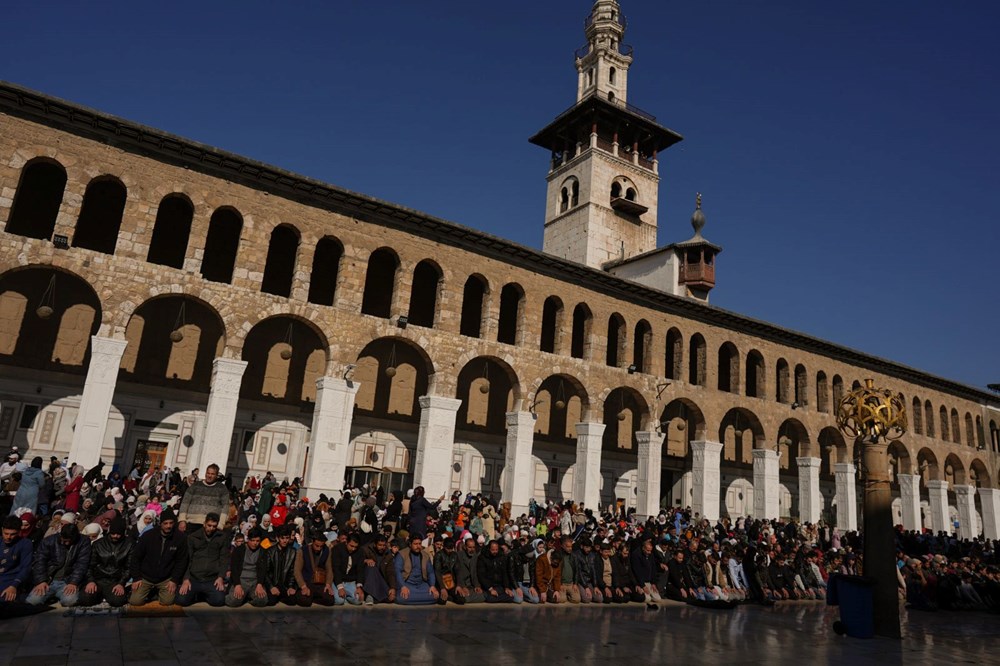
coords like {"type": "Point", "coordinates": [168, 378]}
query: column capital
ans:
{"type": "Point", "coordinates": [439, 402]}
{"type": "Point", "coordinates": [594, 429]}
{"type": "Point", "coordinates": [520, 418]}
{"type": "Point", "coordinates": [935, 484]}
{"type": "Point", "coordinates": [107, 346]}
{"type": "Point", "coordinates": [989, 492]}
{"type": "Point", "coordinates": [808, 461]}
{"type": "Point", "coordinates": [964, 490]}
{"type": "Point", "coordinates": [649, 436]}
{"type": "Point", "coordinates": [337, 384]}
{"type": "Point", "coordinates": [764, 454]}
{"type": "Point", "coordinates": [844, 468]}
{"type": "Point", "coordinates": [705, 445]}
{"type": "Point", "coordinates": [231, 365]}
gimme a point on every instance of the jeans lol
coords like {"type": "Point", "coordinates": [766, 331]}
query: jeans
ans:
{"type": "Point", "coordinates": [526, 594]}
{"type": "Point", "coordinates": [56, 591]}
{"type": "Point", "coordinates": [202, 589]}
{"type": "Point", "coordinates": [350, 594]}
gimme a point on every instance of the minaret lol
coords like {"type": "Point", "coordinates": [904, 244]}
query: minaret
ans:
{"type": "Point", "coordinates": [603, 176]}
{"type": "Point", "coordinates": [696, 260]}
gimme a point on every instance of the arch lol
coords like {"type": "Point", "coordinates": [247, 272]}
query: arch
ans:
{"type": "Point", "coordinates": [285, 356]}
{"type": "Point", "coordinates": [917, 416]}
{"type": "Point", "coordinates": [427, 281]}
{"type": "Point", "coordinates": [325, 270]}
{"type": "Point", "coordinates": [47, 316]}
{"type": "Point", "coordinates": [222, 245]}
{"type": "Point", "coordinates": [943, 420]}
{"type": "Point", "coordinates": [611, 76]}
{"type": "Point", "coordinates": [979, 475]}
{"type": "Point", "coordinates": [560, 402]}
{"type": "Point", "coordinates": [833, 450]}
{"type": "Point", "coordinates": [697, 360]}
{"type": "Point", "coordinates": [473, 299]}
{"type": "Point", "coordinates": [394, 373]}
{"type": "Point", "coordinates": [172, 341]}
{"type": "Point", "coordinates": [801, 385]}
{"type": "Point", "coordinates": [622, 187]}
{"type": "Point", "coordinates": [729, 368]}
{"type": "Point", "coordinates": [582, 319]}
{"type": "Point", "coordinates": [380, 283]}
{"type": "Point", "coordinates": [838, 392]}
{"type": "Point", "coordinates": [625, 413]}
{"type": "Point", "coordinates": [101, 215]}
{"type": "Point", "coordinates": [681, 422]}
{"type": "Point", "coordinates": [927, 465]}
{"type": "Point", "coordinates": [899, 461]}
{"type": "Point", "coordinates": [793, 442]}
{"type": "Point", "coordinates": [980, 435]}
{"type": "Point", "coordinates": [781, 381]}
{"type": "Point", "coordinates": [552, 312]}
{"type": "Point", "coordinates": [171, 231]}
{"type": "Point", "coordinates": [756, 377]}
{"type": "Point", "coordinates": [488, 388]}
{"type": "Point", "coordinates": [674, 361]}
{"type": "Point", "coordinates": [822, 393]}
{"type": "Point", "coordinates": [956, 427]}
{"type": "Point", "coordinates": [279, 268]}
{"type": "Point", "coordinates": [569, 194]}
{"type": "Point", "coordinates": [563, 199]}
{"type": "Point", "coordinates": [616, 340]}
{"type": "Point", "coordinates": [954, 471]}
{"type": "Point", "coordinates": [970, 430]}
{"type": "Point", "coordinates": [740, 432]}
{"type": "Point", "coordinates": [511, 313]}
{"type": "Point", "coordinates": [641, 344]}
{"type": "Point", "coordinates": [928, 418]}
{"type": "Point", "coordinates": [37, 199]}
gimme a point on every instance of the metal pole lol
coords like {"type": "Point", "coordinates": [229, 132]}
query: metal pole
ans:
{"type": "Point", "coordinates": [880, 545]}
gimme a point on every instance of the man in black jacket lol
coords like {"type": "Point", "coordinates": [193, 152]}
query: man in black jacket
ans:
{"type": "Point", "coordinates": [680, 586]}
{"type": "Point", "coordinates": [585, 564]}
{"type": "Point", "coordinates": [348, 565]}
{"type": "Point", "coordinates": [491, 569]}
{"type": "Point", "coordinates": [248, 572]}
{"type": "Point", "coordinates": [644, 569]}
{"type": "Point", "coordinates": [60, 567]}
{"type": "Point", "coordinates": [109, 567]}
{"type": "Point", "coordinates": [208, 559]}
{"type": "Point", "coordinates": [159, 561]}
{"type": "Point", "coordinates": [280, 569]}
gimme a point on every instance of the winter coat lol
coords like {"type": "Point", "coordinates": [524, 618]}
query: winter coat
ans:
{"type": "Point", "coordinates": [467, 573]}
{"type": "Point", "coordinates": [73, 494]}
{"type": "Point", "coordinates": [585, 567]}
{"type": "Point", "coordinates": [280, 567]}
{"type": "Point", "coordinates": [492, 571]}
{"type": "Point", "coordinates": [516, 562]}
{"type": "Point", "coordinates": [32, 481]}
{"type": "Point", "coordinates": [109, 561]}
{"type": "Point", "coordinates": [384, 563]}
{"type": "Point", "coordinates": [157, 558]}
{"type": "Point", "coordinates": [50, 555]}
{"type": "Point", "coordinates": [548, 572]}
{"type": "Point", "coordinates": [208, 556]}
{"type": "Point", "coordinates": [347, 567]}
{"type": "Point", "coordinates": [236, 565]}
{"type": "Point", "coordinates": [201, 499]}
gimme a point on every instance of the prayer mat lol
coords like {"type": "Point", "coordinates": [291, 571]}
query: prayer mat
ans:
{"type": "Point", "coordinates": [154, 609]}
{"type": "Point", "coordinates": [714, 605]}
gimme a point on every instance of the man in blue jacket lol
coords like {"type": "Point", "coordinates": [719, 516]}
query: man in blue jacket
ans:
{"type": "Point", "coordinates": [60, 567]}
{"type": "Point", "coordinates": [15, 560]}
{"type": "Point", "coordinates": [159, 562]}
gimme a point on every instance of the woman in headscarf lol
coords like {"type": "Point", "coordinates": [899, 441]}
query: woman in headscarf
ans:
{"type": "Point", "coordinates": [30, 528]}
{"type": "Point", "coordinates": [32, 480]}
{"type": "Point", "coordinates": [146, 522]}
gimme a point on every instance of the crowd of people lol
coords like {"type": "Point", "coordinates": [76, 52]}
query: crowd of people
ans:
{"type": "Point", "coordinates": [82, 538]}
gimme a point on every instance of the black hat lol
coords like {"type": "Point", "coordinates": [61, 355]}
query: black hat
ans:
{"type": "Point", "coordinates": [168, 514]}
{"type": "Point", "coordinates": [117, 525]}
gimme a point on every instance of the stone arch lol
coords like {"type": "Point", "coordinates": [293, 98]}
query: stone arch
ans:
{"type": "Point", "coordinates": [473, 305]}
{"type": "Point", "coordinates": [171, 231]}
{"type": "Point", "coordinates": [943, 422]}
{"type": "Point", "coordinates": [582, 321]}
{"type": "Point", "coordinates": [822, 393]}
{"type": "Point", "coordinates": [954, 470]}
{"type": "Point", "coordinates": [729, 368]}
{"type": "Point", "coordinates": [838, 393]}
{"type": "Point", "coordinates": [222, 244]}
{"type": "Point", "coordinates": [510, 322]}
{"type": "Point", "coordinates": [697, 360]}
{"type": "Point", "coordinates": [681, 421]}
{"type": "Point", "coordinates": [928, 418]}
{"type": "Point", "coordinates": [979, 475]}
{"type": "Point", "coordinates": [47, 316]}
{"type": "Point", "coordinates": [674, 360]}
{"type": "Point", "coordinates": [428, 280]}
{"type": "Point", "coordinates": [101, 214]}
{"type": "Point", "coordinates": [622, 187]}
{"type": "Point", "coordinates": [833, 449]}
{"type": "Point", "coordinates": [325, 271]}
{"type": "Point", "coordinates": [394, 372]}
{"type": "Point", "coordinates": [781, 380]}
{"type": "Point", "coordinates": [488, 388]}
{"type": "Point", "coordinates": [279, 268]}
{"type": "Point", "coordinates": [642, 344]}
{"type": "Point", "coordinates": [617, 336]}
{"type": "Point", "coordinates": [37, 199]}
{"type": "Point", "coordinates": [625, 413]}
{"type": "Point", "coordinates": [172, 341]}
{"type": "Point", "coordinates": [801, 385]}
{"type": "Point", "coordinates": [380, 283]}
{"type": "Point", "coordinates": [552, 314]}
{"type": "Point", "coordinates": [793, 441]}
{"type": "Point", "coordinates": [970, 430]}
{"type": "Point", "coordinates": [917, 416]}
{"type": "Point", "coordinates": [756, 377]}
{"type": "Point", "coordinates": [286, 355]}
{"type": "Point", "coordinates": [569, 194]}
{"type": "Point", "coordinates": [956, 427]}
{"type": "Point", "coordinates": [899, 461]}
{"type": "Point", "coordinates": [927, 466]}
{"type": "Point", "coordinates": [737, 448]}
{"type": "Point", "coordinates": [560, 402]}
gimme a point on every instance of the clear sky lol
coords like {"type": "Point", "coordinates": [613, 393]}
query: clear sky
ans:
{"type": "Point", "coordinates": [848, 151]}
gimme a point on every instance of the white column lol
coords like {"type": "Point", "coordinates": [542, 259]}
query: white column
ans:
{"type": "Point", "coordinates": [330, 436]}
{"type": "Point", "coordinates": [938, 492]}
{"type": "Point", "coordinates": [587, 471]}
{"type": "Point", "coordinates": [647, 501]}
{"type": "Point", "coordinates": [706, 472]}
{"type": "Point", "coordinates": [990, 497]}
{"type": "Point", "coordinates": [965, 498]}
{"type": "Point", "coordinates": [95, 404]}
{"type": "Point", "coordinates": [435, 443]}
{"type": "Point", "coordinates": [220, 416]}
{"type": "Point", "coordinates": [765, 484]}
{"type": "Point", "coordinates": [517, 480]}
{"type": "Point", "coordinates": [847, 497]}
{"type": "Point", "coordinates": [909, 494]}
{"type": "Point", "coordinates": [809, 497]}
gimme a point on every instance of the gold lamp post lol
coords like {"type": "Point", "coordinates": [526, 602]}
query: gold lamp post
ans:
{"type": "Point", "coordinates": [873, 417]}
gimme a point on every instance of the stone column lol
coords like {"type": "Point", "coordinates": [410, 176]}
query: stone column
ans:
{"type": "Point", "coordinates": [435, 443]}
{"type": "Point", "coordinates": [95, 403]}
{"type": "Point", "coordinates": [517, 481]}
{"type": "Point", "coordinates": [647, 501]}
{"type": "Point", "coordinates": [765, 484]}
{"type": "Point", "coordinates": [847, 497]}
{"type": "Point", "coordinates": [330, 436]}
{"type": "Point", "coordinates": [990, 498]}
{"type": "Point", "coordinates": [909, 494]}
{"type": "Point", "coordinates": [587, 471]}
{"type": "Point", "coordinates": [965, 498]}
{"type": "Point", "coordinates": [938, 492]}
{"type": "Point", "coordinates": [706, 472]}
{"type": "Point", "coordinates": [809, 496]}
{"type": "Point", "coordinates": [220, 416]}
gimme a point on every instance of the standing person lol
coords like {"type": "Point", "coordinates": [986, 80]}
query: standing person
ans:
{"type": "Point", "coordinates": [348, 565]}
{"type": "Point", "coordinates": [60, 567]}
{"type": "Point", "coordinates": [248, 572]}
{"type": "Point", "coordinates": [280, 568]}
{"type": "Point", "coordinates": [209, 495]}
{"type": "Point", "coordinates": [420, 508]}
{"type": "Point", "coordinates": [15, 560]}
{"type": "Point", "coordinates": [314, 573]}
{"type": "Point", "coordinates": [32, 482]}
{"type": "Point", "coordinates": [159, 560]}
{"type": "Point", "coordinates": [109, 568]}
{"type": "Point", "coordinates": [415, 580]}
{"type": "Point", "coordinates": [208, 559]}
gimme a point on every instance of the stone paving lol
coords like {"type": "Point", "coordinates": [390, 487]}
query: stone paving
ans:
{"type": "Point", "coordinates": [793, 633]}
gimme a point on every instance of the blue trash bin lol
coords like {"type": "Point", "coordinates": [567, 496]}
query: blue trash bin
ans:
{"type": "Point", "coordinates": [856, 597]}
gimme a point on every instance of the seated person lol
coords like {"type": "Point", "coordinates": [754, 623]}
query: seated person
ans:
{"type": "Point", "coordinates": [314, 574]}
{"type": "Point", "coordinates": [280, 569]}
{"type": "Point", "coordinates": [493, 574]}
{"type": "Point", "coordinates": [380, 571]}
{"type": "Point", "coordinates": [248, 572]}
{"type": "Point", "coordinates": [208, 559]}
{"type": "Point", "coordinates": [15, 560]}
{"type": "Point", "coordinates": [60, 567]}
{"type": "Point", "coordinates": [348, 564]}
{"type": "Point", "coordinates": [415, 582]}
{"type": "Point", "coordinates": [109, 568]}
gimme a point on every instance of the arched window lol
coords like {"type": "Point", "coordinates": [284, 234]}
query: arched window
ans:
{"type": "Point", "coordinates": [801, 385]}
{"type": "Point", "coordinates": [511, 303]}
{"type": "Point", "coordinates": [574, 199]}
{"type": "Point", "coordinates": [581, 332]}
{"type": "Point", "coordinates": [697, 360]}
{"type": "Point", "coordinates": [279, 269]}
{"type": "Point", "coordinates": [674, 361]}
{"type": "Point", "coordinates": [781, 381]}
{"type": "Point", "coordinates": [640, 347]}
{"type": "Point", "coordinates": [943, 420]}
{"type": "Point", "coordinates": [37, 199]}
{"type": "Point", "coordinates": [221, 245]}
{"type": "Point", "coordinates": [929, 418]}
{"type": "Point", "coordinates": [564, 200]}
{"type": "Point", "coordinates": [822, 393]}
{"type": "Point", "coordinates": [171, 231]}
{"type": "Point", "coordinates": [838, 392]}
{"type": "Point", "coordinates": [616, 190]}
{"type": "Point", "coordinates": [755, 380]}
{"type": "Point", "coordinates": [101, 215]}
{"type": "Point", "coordinates": [970, 431]}
{"type": "Point", "coordinates": [551, 324]}
{"type": "Point", "coordinates": [616, 340]}
{"type": "Point", "coordinates": [325, 268]}
{"type": "Point", "coordinates": [630, 194]}
{"type": "Point", "coordinates": [956, 429]}
{"type": "Point", "coordinates": [380, 283]}
{"type": "Point", "coordinates": [611, 96]}
{"type": "Point", "coordinates": [729, 368]}
{"type": "Point", "coordinates": [611, 76]}
{"type": "Point", "coordinates": [424, 293]}
{"type": "Point", "coordinates": [917, 416]}
{"type": "Point", "coordinates": [473, 296]}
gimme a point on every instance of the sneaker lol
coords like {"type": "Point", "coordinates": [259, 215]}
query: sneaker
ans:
{"type": "Point", "coordinates": [369, 601]}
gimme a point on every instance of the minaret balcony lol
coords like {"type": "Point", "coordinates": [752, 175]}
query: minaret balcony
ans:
{"type": "Point", "coordinates": [698, 275]}
{"type": "Point", "coordinates": [623, 205]}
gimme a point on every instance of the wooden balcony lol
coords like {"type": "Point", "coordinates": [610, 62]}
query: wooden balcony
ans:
{"type": "Point", "coordinates": [698, 274]}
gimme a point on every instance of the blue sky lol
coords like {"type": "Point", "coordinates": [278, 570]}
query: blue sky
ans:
{"type": "Point", "coordinates": [848, 152]}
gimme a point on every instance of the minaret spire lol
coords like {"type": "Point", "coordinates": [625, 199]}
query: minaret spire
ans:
{"type": "Point", "coordinates": [602, 65]}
